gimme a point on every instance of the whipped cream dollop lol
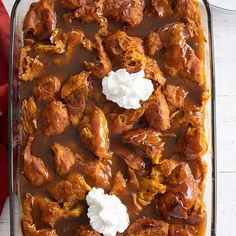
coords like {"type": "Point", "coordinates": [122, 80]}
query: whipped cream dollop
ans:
{"type": "Point", "coordinates": [107, 214]}
{"type": "Point", "coordinates": [127, 89]}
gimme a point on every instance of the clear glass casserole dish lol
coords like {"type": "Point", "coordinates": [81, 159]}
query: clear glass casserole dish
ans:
{"type": "Point", "coordinates": [19, 10]}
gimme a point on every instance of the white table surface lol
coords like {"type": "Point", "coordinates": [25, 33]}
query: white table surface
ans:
{"type": "Point", "coordinates": [225, 56]}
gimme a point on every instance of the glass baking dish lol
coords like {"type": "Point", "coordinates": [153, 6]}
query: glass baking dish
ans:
{"type": "Point", "coordinates": [19, 10]}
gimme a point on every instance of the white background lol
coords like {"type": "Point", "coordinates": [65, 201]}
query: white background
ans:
{"type": "Point", "coordinates": [225, 55]}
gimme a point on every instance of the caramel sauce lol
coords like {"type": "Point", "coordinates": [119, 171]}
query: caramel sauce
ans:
{"type": "Point", "coordinates": [70, 138]}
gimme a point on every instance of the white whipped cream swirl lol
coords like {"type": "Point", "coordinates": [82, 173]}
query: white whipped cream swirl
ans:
{"type": "Point", "coordinates": [107, 214]}
{"type": "Point", "coordinates": [127, 89]}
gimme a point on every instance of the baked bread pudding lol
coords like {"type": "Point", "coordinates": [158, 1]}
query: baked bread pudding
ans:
{"type": "Point", "coordinates": [113, 96]}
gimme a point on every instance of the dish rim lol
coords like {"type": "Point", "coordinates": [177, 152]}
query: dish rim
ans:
{"type": "Point", "coordinates": [213, 117]}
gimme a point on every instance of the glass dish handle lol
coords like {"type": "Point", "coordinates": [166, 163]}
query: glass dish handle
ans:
{"type": "Point", "coordinates": [223, 11]}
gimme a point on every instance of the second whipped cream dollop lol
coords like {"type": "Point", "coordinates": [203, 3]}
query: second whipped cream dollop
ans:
{"type": "Point", "coordinates": [127, 89]}
{"type": "Point", "coordinates": [107, 214]}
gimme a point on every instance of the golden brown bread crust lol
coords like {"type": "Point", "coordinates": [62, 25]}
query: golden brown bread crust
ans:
{"type": "Point", "coordinates": [86, 10]}
{"type": "Point", "coordinates": [47, 88]}
{"type": "Point", "coordinates": [27, 222]}
{"type": "Point", "coordinates": [29, 68]}
{"type": "Point", "coordinates": [86, 231]}
{"type": "Point", "coordinates": [157, 112]}
{"type": "Point", "coordinates": [64, 158]}
{"type": "Point", "coordinates": [54, 118]}
{"type": "Point", "coordinates": [93, 132]}
{"type": "Point", "coordinates": [102, 66]}
{"type": "Point", "coordinates": [69, 191]}
{"type": "Point", "coordinates": [127, 11]}
{"type": "Point", "coordinates": [147, 141]}
{"type": "Point", "coordinates": [34, 168]}
{"type": "Point", "coordinates": [148, 227]}
{"type": "Point", "coordinates": [41, 19]}
{"type": "Point", "coordinates": [75, 93]}
{"type": "Point", "coordinates": [29, 114]}
{"type": "Point", "coordinates": [128, 52]}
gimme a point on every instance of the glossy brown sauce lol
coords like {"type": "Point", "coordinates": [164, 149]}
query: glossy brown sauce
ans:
{"type": "Point", "coordinates": [70, 138]}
